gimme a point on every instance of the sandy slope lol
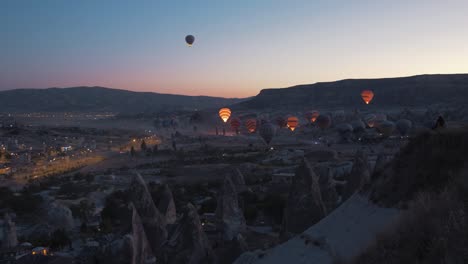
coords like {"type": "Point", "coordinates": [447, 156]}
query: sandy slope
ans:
{"type": "Point", "coordinates": [344, 233]}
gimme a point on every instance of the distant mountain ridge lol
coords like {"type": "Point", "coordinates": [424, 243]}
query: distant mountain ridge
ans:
{"type": "Point", "coordinates": [101, 99]}
{"type": "Point", "coordinates": [420, 90]}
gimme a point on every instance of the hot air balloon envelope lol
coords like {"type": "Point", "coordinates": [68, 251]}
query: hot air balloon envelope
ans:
{"type": "Point", "coordinates": [251, 125]}
{"type": "Point", "coordinates": [189, 39]}
{"type": "Point", "coordinates": [224, 114]}
{"type": "Point", "coordinates": [293, 122]}
{"type": "Point", "coordinates": [235, 124]}
{"type": "Point", "coordinates": [367, 96]}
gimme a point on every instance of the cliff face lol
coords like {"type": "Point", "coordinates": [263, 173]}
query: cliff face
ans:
{"type": "Point", "coordinates": [396, 92]}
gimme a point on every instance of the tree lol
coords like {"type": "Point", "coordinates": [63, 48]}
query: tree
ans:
{"type": "Point", "coordinates": [143, 146]}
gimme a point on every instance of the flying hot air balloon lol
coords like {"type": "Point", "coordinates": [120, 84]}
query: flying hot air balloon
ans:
{"type": "Point", "coordinates": [267, 131]}
{"type": "Point", "coordinates": [293, 122]}
{"type": "Point", "coordinates": [323, 121]}
{"type": "Point", "coordinates": [367, 96]}
{"type": "Point", "coordinates": [224, 113]}
{"type": "Point", "coordinates": [251, 125]}
{"type": "Point", "coordinates": [235, 124]}
{"type": "Point", "coordinates": [189, 39]}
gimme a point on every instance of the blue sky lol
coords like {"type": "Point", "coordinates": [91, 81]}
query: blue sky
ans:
{"type": "Point", "coordinates": [241, 46]}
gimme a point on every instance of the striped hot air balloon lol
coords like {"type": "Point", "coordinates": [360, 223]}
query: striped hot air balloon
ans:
{"type": "Point", "coordinates": [251, 125]}
{"type": "Point", "coordinates": [293, 122]}
{"type": "Point", "coordinates": [224, 113]}
{"type": "Point", "coordinates": [235, 124]}
{"type": "Point", "coordinates": [367, 96]}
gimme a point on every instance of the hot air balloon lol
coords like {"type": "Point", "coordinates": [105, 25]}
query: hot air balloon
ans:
{"type": "Point", "coordinates": [379, 118]}
{"type": "Point", "coordinates": [323, 121]}
{"type": "Point", "coordinates": [312, 116]}
{"type": "Point", "coordinates": [370, 120]}
{"type": "Point", "coordinates": [292, 122]}
{"type": "Point", "coordinates": [281, 122]}
{"type": "Point", "coordinates": [224, 113]}
{"type": "Point", "coordinates": [367, 96]}
{"type": "Point", "coordinates": [251, 125]}
{"type": "Point", "coordinates": [189, 39]}
{"type": "Point", "coordinates": [315, 115]}
{"type": "Point", "coordinates": [386, 128]}
{"type": "Point", "coordinates": [235, 124]}
{"type": "Point", "coordinates": [403, 126]}
{"type": "Point", "coordinates": [267, 131]}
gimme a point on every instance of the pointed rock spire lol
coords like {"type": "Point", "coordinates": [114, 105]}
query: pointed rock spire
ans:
{"type": "Point", "coordinates": [189, 243]}
{"type": "Point", "coordinates": [359, 176]}
{"type": "Point", "coordinates": [167, 206]}
{"type": "Point", "coordinates": [10, 239]}
{"type": "Point", "coordinates": [230, 217]}
{"type": "Point", "coordinates": [154, 223]}
{"type": "Point", "coordinates": [304, 206]}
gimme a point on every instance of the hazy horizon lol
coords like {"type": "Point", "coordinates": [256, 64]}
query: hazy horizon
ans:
{"type": "Point", "coordinates": [143, 91]}
{"type": "Point", "coordinates": [240, 48]}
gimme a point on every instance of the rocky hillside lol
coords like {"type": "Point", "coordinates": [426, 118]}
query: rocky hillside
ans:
{"type": "Point", "coordinates": [421, 90]}
{"type": "Point", "coordinates": [100, 99]}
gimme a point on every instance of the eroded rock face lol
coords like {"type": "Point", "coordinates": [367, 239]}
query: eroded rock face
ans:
{"type": "Point", "coordinates": [360, 175]}
{"type": "Point", "coordinates": [238, 180]}
{"type": "Point", "coordinates": [59, 216]}
{"type": "Point", "coordinates": [167, 206]}
{"type": "Point", "coordinates": [119, 251]}
{"type": "Point", "coordinates": [382, 160]}
{"type": "Point", "coordinates": [304, 206]}
{"type": "Point", "coordinates": [140, 246]}
{"type": "Point", "coordinates": [327, 187]}
{"type": "Point", "coordinates": [154, 223]}
{"type": "Point", "coordinates": [10, 239]}
{"type": "Point", "coordinates": [188, 243]}
{"type": "Point", "coordinates": [230, 217]}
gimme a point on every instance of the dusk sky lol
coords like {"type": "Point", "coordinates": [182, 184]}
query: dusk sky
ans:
{"type": "Point", "coordinates": [241, 46]}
